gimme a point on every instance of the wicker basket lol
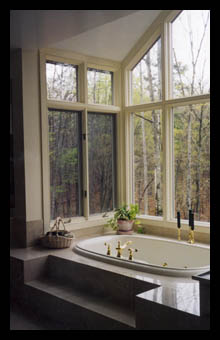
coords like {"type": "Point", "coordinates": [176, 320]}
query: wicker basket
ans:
{"type": "Point", "coordinates": [57, 241]}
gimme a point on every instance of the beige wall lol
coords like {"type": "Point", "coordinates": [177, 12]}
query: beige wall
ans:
{"type": "Point", "coordinates": [26, 226]}
{"type": "Point", "coordinates": [32, 145]}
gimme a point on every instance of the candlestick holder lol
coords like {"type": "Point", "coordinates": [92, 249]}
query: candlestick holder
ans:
{"type": "Point", "coordinates": [179, 234]}
{"type": "Point", "coordinates": [191, 237]}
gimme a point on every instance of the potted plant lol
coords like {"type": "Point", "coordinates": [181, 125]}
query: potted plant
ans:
{"type": "Point", "coordinates": [124, 218]}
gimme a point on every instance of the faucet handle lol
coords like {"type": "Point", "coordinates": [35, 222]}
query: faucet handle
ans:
{"type": "Point", "coordinates": [109, 248]}
{"type": "Point", "coordinates": [131, 250]}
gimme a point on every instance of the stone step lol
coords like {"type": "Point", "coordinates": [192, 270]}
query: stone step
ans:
{"type": "Point", "coordinates": [76, 310]}
{"type": "Point", "coordinates": [111, 286]}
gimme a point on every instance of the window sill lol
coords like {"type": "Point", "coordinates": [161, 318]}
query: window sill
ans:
{"type": "Point", "coordinates": [201, 227]}
{"type": "Point", "coordinates": [84, 223]}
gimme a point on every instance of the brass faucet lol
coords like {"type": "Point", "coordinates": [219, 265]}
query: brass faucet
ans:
{"type": "Point", "coordinates": [120, 248]}
{"type": "Point", "coordinates": [131, 250]}
{"type": "Point", "coordinates": [191, 239]}
{"type": "Point", "coordinates": [108, 249]}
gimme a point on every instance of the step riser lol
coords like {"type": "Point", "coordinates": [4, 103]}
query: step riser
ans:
{"type": "Point", "coordinates": [69, 315]}
{"type": "Point", "coordinates": [97, 282]}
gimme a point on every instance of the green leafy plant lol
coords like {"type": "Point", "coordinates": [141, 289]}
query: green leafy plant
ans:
{"type": "Point", "coordinates": [127, 213]}
{"type": "Point", "coordinates": [140, 230]}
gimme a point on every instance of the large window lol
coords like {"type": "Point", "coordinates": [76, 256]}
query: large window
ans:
{"type": "Point", "coordinates": [61, 81]}
{"type": "Point", "coordinates": [191, 53]}
{"type": "Point", "coordinates": [146, 77]}
{"type": "Point", "coordinates": [101, 139]}
{"type": "Point", "coordinates": [191, 134]}
{"type": "Point", "coordinates": [148, 162]}
{"type": "Point", "coordinates": [171, 170]}
{"type": "Point", "coordinates": [80, 151]}
{"type": "Point", "coordinates": [65, 163]}
{"type": "Point", "coordinates": [192, 160]}
{"type": "Point", "coordinates": [100, 86]}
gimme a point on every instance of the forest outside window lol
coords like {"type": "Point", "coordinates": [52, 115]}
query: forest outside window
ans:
{"type": "Point", "coordinates": [175, 177]}
{"type": "Point", "coordinates": [102, 159]}
{"type": "Point", "coordinates": [100, 86]}
{"type": "Point", "coordinates": [147, 162]}
{"type": "Point", "coordinates": [192, 160]}
{"type": "Point", "coordinates": [65, 163]}
{"type": "Point", "coordinates": [81, 143]}
{"type": "Point", "coordinates": [146, 77]}
{"type": "Point", "coordinates": [62, 81]}
{"type": "Point", "coordinates": [191, 53]}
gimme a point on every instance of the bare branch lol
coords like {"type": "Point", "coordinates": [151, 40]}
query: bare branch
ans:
{"type": "Point", "coordinates": [148, 120]}
{"type": "Point", "coordinates": [179, 73]}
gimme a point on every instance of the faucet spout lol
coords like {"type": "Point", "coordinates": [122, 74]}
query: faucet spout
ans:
{"type": "Point", "coordinates": [126, 244]}
{"type": "Point", "coordinates": [120, 248]}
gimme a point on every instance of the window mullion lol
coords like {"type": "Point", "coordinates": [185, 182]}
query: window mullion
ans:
{"type": "Point", "coordinates": [167, 164]}
{"type": "Point", "coordinates": [168, 189]}
{"type": "Point", "coordinates": [85, 164]}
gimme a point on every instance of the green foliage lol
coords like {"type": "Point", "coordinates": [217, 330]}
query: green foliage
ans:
{"type": "Point", "coordinates": [140, 230]}
{"type": "Point", "coordinates": [125, 212]}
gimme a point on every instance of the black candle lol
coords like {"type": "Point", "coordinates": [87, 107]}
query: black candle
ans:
{"type": "Point", "coordinates": [178, 219]}
{"type": "Point", "coordinates": [192, 221]}
{"type": "Point", "coordinates": [190, 218]}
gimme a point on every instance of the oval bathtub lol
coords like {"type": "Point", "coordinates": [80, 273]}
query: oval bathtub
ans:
{"type": "Point", "coordinates": [155, 255]}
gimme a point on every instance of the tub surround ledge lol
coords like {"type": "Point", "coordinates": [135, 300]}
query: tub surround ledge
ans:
{"type": "Point", "coordinates": [56, 276]}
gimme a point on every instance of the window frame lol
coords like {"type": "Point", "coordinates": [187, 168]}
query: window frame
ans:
{"type": "Point", "coordinates": [160, 28]}
{"type": "Point", "coordinates": [82, 62]}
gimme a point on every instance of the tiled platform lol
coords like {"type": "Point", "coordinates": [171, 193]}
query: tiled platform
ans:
{"type": "Point", "coordinates": [90, 294]}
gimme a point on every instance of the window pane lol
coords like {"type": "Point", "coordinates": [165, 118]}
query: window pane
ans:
{"type": "Point", "coordinates": [148, 162]}
{"type": "Point", "coordinates": [99, 86]}
{"type": "Point", "coordinates": [146, 77]}
{"type": "Point", "coordinates": [61, 81]}
{"type": "Point", "coordinates": [101, 139]}
{"type": "Point", "coordinates": [191, 53]}
{"type": "Point", "coordinates": [64, 153]}
{"type": "Point", "coordinates": [192, 160]}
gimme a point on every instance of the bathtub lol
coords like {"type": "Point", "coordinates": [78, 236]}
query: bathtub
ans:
{"type": "Point", "coordinates": [155, 255]}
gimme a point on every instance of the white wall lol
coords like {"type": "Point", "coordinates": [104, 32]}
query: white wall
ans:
{"type": "Point", "coordinates": [32, 134]}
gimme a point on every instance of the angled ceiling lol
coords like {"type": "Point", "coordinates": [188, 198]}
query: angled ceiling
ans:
{"type": "Point", "coordinates": [102, 33]}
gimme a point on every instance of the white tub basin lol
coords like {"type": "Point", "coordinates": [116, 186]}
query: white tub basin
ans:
{"type": "Point", "coordinates": [155, 255]}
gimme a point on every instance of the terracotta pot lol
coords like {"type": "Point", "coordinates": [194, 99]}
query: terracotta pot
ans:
{"type": "Point", "coordinates": [125, 226]}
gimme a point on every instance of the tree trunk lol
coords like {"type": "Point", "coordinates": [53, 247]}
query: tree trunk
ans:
{"type": "Point", "coordinates": [156, 132]}
{"type": "Point", "coordinates": [144, 148]}
{"type": "Point", "coordinates": [94, 88]}
{"type": "Point", "coordinates": [189, 160]}
{"type": "Point", "coordinates": [198, 167]}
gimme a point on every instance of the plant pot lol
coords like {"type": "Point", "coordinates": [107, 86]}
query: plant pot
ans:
{"type": "Point", "coordinates": [125, 227]}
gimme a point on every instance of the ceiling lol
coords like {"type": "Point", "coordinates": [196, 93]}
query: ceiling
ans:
{"type": "Point", "coordinates": [102, 33]}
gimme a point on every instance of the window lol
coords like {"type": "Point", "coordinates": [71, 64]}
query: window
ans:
{"type": "Point", "coordinates": [78, 141]}
{"type": "Point", "coordinates": [61, 81]}
{"type": "Point", "coordinates": [146, 77]}
{"type": "Point", "coordinates": [147, 162]}
{"type": "Point", "coordinates": [170, 132]}
{"type": "Point", "coordinates": [191, 53]}
{"type": "Point", "coordinates": [65, 163]}
{"type": "Point", "coordinates": [192, 160]}
{"type": "Point", "coordinates": [101, 140]}
{"type": "Point", "coordinates": [100, 85]}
